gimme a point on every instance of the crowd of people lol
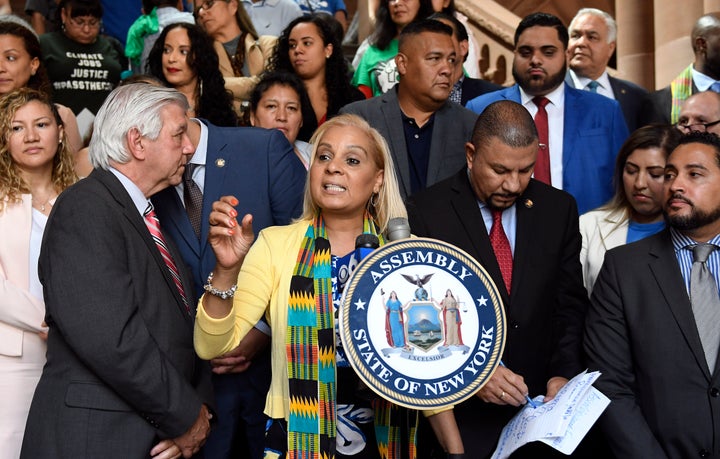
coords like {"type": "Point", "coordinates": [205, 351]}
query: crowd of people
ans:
{"type": "Point", "coordinates": [181, 190]}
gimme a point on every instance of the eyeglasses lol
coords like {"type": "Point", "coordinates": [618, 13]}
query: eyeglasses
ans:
{"type": "Point", "coordinates": [92, 23]}
{"type": "Point", "coordinates": [700, 127]}
{"type": "Point", "coordinates": [206, 6]}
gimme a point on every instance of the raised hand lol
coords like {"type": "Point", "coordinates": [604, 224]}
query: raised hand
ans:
{"type": "Point", "coordinates": [229, 241]}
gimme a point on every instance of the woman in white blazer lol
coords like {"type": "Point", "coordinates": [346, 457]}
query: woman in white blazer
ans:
{"type": "Point", "coordinates": [35, 166]}
{"type": "Point", "coordinates": [635, 211]}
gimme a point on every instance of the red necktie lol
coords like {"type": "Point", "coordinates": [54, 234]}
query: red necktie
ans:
{"type": "Point", "coordinates": [542, 165]}
{"type": "Point", "coordinates": [501, 247]}
{"type": "Point", "coordinates": [153, 224]}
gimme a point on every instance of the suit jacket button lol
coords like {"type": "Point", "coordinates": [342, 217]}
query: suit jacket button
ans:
{"type": "Point", "coordinates": [714, 391]}
{"type": "Point", "coordinates": [704, 453]}
{"type": "Point", "coordinates": [514, 325]}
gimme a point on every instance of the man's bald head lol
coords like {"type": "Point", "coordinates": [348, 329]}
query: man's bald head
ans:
{"type": "Point", "coordinates": [699, 110]}
{"type": "Point", "coordinates": [509, 121]}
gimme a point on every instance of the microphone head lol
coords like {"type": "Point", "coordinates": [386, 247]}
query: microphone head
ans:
{"type": "Point", "coordinates": [398, 228]}
{"type": "Point", "coordinates": [367, 241]}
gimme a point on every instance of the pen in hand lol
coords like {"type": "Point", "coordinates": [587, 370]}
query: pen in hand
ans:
{"type": "Point", "coordinates": [527, 396]}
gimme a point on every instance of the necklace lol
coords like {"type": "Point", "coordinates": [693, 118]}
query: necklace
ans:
{"type": "Point", "coordinates": [42, 206]}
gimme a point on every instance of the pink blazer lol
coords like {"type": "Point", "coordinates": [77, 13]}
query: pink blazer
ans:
{"type": "Point", "coordinates": [20, 312]}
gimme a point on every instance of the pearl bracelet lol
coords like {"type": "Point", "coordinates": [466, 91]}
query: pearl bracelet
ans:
{"type": "Point", "coordinates": [223, 294]}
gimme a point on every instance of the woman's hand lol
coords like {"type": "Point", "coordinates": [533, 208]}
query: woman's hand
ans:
{"type": "Point", "coordinates": [229, 241]}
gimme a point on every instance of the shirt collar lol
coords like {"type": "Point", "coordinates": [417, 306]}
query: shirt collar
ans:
{"type": "Point", "coordinates": [581, 82]}
{"type": "Point", "coordinates": [681, 241]}
{"type": "Point", "coordinates": [137, 196]}
{"type": "Point", "coordinates": [702, 81]}
{"type": "Point", "coordinates": [200, 155]}
{"type": "Point", "coordinates": [556, 96]}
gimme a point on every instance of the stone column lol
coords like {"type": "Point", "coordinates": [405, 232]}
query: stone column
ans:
{"type": "Point", "coordinates": [635, 42]}
{"type": "Point", "coordinates": [673, 23]}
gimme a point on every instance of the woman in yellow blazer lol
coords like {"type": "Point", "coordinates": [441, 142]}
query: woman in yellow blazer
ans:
{"type": "Point", "coordinates": [35, 166]}
{"type": "Point", "coordinates": [351, 190]}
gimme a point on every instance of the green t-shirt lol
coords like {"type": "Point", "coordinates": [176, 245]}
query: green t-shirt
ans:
{"type": "Point", "coordinates": [377, 69]}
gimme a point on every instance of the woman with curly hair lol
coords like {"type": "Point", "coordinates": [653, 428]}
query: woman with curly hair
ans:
{"type": "Point", "coordinates": [375, 69]}
{"type": "Point", "coordinates": [35, 166]}
{"type": "Point", "coordinates": [23, 67]}
{"type": "Point", "coordinates": [183, 58]}
{"type": "Point", "coordinates": [309, 48]}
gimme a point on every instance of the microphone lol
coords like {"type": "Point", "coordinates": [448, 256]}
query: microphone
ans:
{"type": "Point", "coordinates": [398, 228]}
{"type": "Point", "coordinates": [365, 244]}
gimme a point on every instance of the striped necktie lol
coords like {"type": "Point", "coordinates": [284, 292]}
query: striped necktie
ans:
{"type": "Point", "coordinates": [593, 86]}
{"type": "Point", "coordinates": [153, 224]}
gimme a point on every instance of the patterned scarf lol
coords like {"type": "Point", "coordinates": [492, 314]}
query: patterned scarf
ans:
{"type": "Point", "coordinates": [310, 347]}
{"type": "Point", "coordinates": [680, 89]}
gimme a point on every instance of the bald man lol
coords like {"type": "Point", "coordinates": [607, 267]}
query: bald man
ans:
{"type": "Point", "coordinates": [541, 290]}
{"type": "Point", "coordinates": [663, 106]}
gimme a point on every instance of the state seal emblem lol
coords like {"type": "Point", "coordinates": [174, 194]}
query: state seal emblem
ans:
{"type": "Point", "coordinates": [422, 323]}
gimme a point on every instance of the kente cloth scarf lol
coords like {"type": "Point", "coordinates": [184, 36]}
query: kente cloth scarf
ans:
{"type": "Point", "coordinates": [310, 351]}
{"type": "Point", "coordinates": [680, 89]}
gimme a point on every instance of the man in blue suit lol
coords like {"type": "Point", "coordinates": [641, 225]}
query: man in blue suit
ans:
{"type": "Point", "coordinates": [260, 168]}
{"type": "Point", "coordinates": [585, 130]}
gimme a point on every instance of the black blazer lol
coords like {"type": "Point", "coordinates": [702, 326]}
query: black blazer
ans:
{"type": "Point", "coordinates": [657, 106]}
{"type": "Point", "coordinates": [121, 371]}
{"type": "Point", "coordinates": [452, 128]}
{"type": "Point", "coordinates": [630, 97]}
{"type": "Point", "coordinates": [546, 308]}
{"type": "Point", "coordinates": [641, 334]}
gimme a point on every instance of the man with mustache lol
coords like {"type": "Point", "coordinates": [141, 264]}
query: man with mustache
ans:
{"type": "Point", "coordinates": [497, 213]}
{"type": "Point", "coordinates": [580, 132]}
{"type": "Point", "coordinates": [654, 322]}
{"type": "Point", "coordinates": [426, 132]}
{"type": "Point", "coordinates": [593, 36]}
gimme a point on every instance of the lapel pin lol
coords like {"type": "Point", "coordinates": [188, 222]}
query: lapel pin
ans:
{"type": "Point", "coordinates": [528, 203]}
{"type": "Point", "coordinates": [220, 162]}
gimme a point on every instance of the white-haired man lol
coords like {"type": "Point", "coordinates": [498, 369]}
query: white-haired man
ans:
{"type": "Point", "coordinates": [121, 379]}
{"type": "Point", "coordinates": [593, 36]}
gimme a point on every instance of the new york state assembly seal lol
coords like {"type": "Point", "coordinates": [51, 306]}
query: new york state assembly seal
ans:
{"type": "Point", "coordinates": [422, 323]}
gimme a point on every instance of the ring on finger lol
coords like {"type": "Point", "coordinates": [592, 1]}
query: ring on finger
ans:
{"type": "Point", "coordinates": [502, 396]}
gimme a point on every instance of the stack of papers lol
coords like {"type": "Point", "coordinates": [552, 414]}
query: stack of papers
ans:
{"type": "Point", "coordinates": [561, 423]}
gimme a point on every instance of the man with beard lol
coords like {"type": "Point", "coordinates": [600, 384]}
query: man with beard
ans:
{"type": "Point", "coordinates": [426, 132]}
{"type": "Point", "coordinates": [525, 233]}
{"type": "Point", "coordinates": [580, 132]}
{"type": "Point", "coordinates": [653, 328]}
{"type": "Point", "coordinates": [663, 105]}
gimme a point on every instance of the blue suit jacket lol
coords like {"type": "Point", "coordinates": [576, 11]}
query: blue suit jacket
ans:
{"type": "Point", "coordinates": [257, 166]}
{"type": "Point", "coordinates": [629, 95]}
{"type": "Point", "coordinates": [594, 131]}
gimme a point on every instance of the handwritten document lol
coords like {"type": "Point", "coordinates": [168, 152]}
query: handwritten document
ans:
{"type": "Point", "coordinates": [560, 423]}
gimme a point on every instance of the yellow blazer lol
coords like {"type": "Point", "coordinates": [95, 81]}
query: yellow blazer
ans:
{"type": "Point", "coordinates": [263, 288]}
{"type": "Point", "coordinates": [601, 231]}
{"type": "Point", "coordinates": [257, 55]}
{"type": "Point", "coordinates": [20, 312]}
